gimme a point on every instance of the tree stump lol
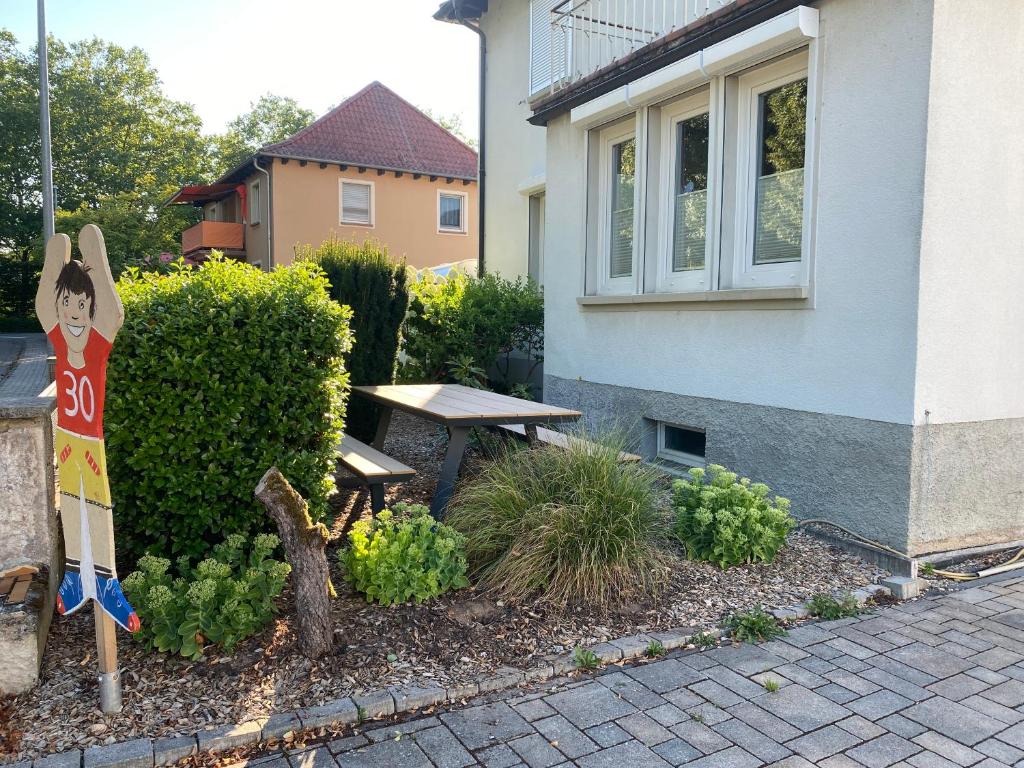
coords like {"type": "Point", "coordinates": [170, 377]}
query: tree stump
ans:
{"type": "Point", "coordinates": [304, 544]}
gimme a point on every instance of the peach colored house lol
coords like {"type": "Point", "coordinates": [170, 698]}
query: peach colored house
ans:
{"type": "Point", "coordinates": [374, 167]}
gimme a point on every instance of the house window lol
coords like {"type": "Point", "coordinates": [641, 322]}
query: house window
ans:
{"type": "Point", "coordinates": [255, 205]}
{"type": "Point", "coordinates": [705, 191]}
{"type": "Point", "coordinates": [356, 200]}
{"type": "Point", "coordinates": [682, 445]}
{"type": "Point", "coordinates": [451, 212]}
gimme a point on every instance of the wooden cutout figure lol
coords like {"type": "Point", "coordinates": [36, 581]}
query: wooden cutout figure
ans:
{"type": "Point", "coordinates": [78, 307]}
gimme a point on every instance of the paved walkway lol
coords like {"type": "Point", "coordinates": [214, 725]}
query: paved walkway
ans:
{"type": "Point", "coordinates": [23, 368]}
{"type": "Point", "coordinates": [933, 683]}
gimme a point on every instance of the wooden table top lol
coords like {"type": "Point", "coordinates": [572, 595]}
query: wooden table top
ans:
{"type": "Point", "coordinates": [457, 405]}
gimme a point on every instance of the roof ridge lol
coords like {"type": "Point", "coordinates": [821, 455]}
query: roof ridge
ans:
{"type": "Point", "coordinates": [327, 114]}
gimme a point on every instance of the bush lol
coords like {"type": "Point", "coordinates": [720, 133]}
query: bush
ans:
{"type": "Point", "coordinates": [572, 523]}
{"type": "Point", "coordinates": [364, 278]}
{"type": "Point", "coordinates": [462, 322]}
{"type": "Point", "coordinates": [218, 374]}
{"type": "Point", "coordinates": [728, 522]}
{"type": "Point", "coordinates": [222, 601]}
{"type": "Point", "coordinates": [403, 555]}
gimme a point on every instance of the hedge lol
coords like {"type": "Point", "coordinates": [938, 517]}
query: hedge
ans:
{"type": "Point", "coordinates": [364, 278]}
{"type": "Point", "coordinates": [218, 374]}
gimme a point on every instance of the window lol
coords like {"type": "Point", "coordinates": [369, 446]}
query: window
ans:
{"type": "Point", "coordinates": [705, 191]}
{"type": "Point", "coordinates": [682, 445]}
{"type": "Point", "coordinates": [255, 205]}
{"type": "Point", "coordinates": [451, 212]}
{"type": "Point", "coordinates": [535, 258]}
{"type": "Point", "coordinates": [616, 234]}
{"type": "Point", "coordinates": [356, 203]}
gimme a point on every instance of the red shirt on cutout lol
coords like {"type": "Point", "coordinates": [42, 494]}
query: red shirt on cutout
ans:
{"type": "Point", "coordinates": [80, 391]}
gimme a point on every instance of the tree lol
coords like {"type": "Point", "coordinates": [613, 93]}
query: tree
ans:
{"type": "Point", "coordinates": [453, 124]}
{"type": "Point", "coordinates": [270, 119]}
{"type": "Point", "coordinates": [120, 148]}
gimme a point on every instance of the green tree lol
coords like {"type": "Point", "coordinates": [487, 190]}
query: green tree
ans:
{"type": "Point", "coordinates": [453, 124]}
{"type": "Point", "coordinates": [270, 119]}
{"type": "Point", "coordinates": [20, 197]}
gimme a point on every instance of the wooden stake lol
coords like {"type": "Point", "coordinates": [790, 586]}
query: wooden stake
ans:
{"type": "Point", "coordinates": [106, 652]}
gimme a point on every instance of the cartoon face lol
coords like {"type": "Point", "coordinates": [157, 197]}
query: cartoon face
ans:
{"type": "Point", "coordinates": [75, 315]}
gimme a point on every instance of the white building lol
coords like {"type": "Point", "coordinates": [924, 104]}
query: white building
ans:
{"type": "Point", "coordinates": [785, 238]}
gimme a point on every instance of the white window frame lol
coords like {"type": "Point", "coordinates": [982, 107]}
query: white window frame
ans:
{"type": "Point", "coordinates": [751, 84]}
{"type": "Point", "coordinates": [463, 218]}
{"type": "Point", "coordinates": [608, 138]}
{"type": "Point", "coordinates": [679, 457]}
{"type": "Point", "coordinates": [341, 203]}
{"type": "Point", "coordinates": [255, 203]}
{"type": "Point", "coordinates": [672, 114]}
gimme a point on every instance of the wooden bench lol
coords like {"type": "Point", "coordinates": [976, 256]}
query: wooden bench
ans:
{"type": "Point", "coordinates": [372, 467]}
{"type": "Point", "coordinates": [561, 439]}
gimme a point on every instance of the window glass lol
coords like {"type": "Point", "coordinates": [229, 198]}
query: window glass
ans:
{"type": "Point", "coordinates": [622, 200]}
{"type": "Point", "coordinates": [451, 212]}
{"type": "Point", "coordinates": [355, 203]}
{"type": "Point", "coordinates": [782, 125]}
{"type": "Point", "coordinates": [690, 204]}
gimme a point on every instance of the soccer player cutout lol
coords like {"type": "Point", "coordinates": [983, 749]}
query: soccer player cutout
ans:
{"type": "Point", "coordinates": [78, 307]}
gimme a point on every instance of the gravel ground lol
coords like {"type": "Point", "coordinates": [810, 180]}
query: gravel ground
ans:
{"type": "Point", "coordinates": [445, 641]}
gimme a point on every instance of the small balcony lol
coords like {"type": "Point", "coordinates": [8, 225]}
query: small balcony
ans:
{"type": "Point", "coordinates": [588, 35]}
{"type": "Point", "coordinates": [225, 236]}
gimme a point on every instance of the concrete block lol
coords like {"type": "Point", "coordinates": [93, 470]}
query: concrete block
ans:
{"type": "Point", "coordinates": [230, 736]}
{"type": "Point", "coordinates": [137, 753]}
{"type": "Point", "coordinates": [373, 704]}
{"type": "Point", "coordinates": [280, 724]}
{"type": "Point", "coordinates": [69, 759]}
{"type": "Point", "coordinates": [337, 712]}
{"type": "Point", "coordinates": [462, 691]}
{"type": "Point", "coordinates": [168, 751]}
{"type": "Point", "coordinates": [410, 697]}
{"type": "Point", "coordinates": [903, 587]}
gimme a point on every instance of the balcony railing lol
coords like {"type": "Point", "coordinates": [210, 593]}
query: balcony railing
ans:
{"type": "Point", "coordinates": [588, 35]}
{"type": "Point", "coordinates": [222, 235]}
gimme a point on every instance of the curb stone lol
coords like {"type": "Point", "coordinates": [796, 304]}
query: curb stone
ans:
{"type": "Point", "coordinates": [368, 706]}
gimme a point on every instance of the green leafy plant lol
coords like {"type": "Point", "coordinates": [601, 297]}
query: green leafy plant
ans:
{"type": "Point", "coordinates": [697, 717]}
{"type": "Point", "coordinates": [489, 320]}
{"type": "Point", "coordinates": [728, 521]}
{"type": "Point", "coordinates": [584, 658]}
{"type": "Point", "coordinates": [654, 649]}
{"type": "Point", "coordinates": [464, 371]}
{"type": "Point", "coordinates": [221, 601]}
{"type": "Point", "coordinates": [704, 640]}
{"type": "Point", "coordinates": [570, 523]}
{"type": "Point", "coordinates": [926, 569]}
{"type": "Point", "coordinates": [363, 277]}
{"type": "Point", "coordinates": [218, 374]}
{"type": "Point", "coordinates": [824, 606]}
{"type": "Point", "coordinates": [754, 626]}
{"type": "Point", "coordinates": [770, 684]}
{"type": "Point", "coordinates": [404, 554]}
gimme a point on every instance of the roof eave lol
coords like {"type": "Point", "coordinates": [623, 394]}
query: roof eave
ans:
{"type": "Point", "coordinates": [357, 164]}
{"type": "Point", "coordinates": [471, 9]}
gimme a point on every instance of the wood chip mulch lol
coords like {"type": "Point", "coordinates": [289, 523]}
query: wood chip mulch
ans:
{"type": "Point", "coordinates": [445, 641]}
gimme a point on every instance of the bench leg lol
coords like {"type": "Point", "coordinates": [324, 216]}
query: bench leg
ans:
{"type": "Point", "coordinates": [449, 471]}
{"type": "Point", "coordinates": [376, 498]}
{"type": "Point", "coordinates": [383, 422]}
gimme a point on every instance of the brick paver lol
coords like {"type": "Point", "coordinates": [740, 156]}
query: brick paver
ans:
{"type": "Point", "coordinates": [23, 368]}
{"type": "Point", "coordinates": [935, 682]}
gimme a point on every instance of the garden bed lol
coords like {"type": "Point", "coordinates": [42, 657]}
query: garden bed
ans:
{"type": "Point", "coordinates": [448, 641]}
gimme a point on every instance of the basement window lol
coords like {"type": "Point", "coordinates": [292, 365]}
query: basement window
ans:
{"type": "Point", "coordinates": [682, 445]}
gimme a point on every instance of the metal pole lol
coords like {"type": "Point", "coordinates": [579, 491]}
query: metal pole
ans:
{"type": "Point", "coordinates": [44, 126]}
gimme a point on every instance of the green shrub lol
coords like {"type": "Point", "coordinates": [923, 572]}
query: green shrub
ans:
{"type": "Point", "coordinates": [218, 374]}
{"type": "Point", "coordinates": [223, 600]}
{"type": "Point", "coordinates": [754, 626]}
{"type": "Point", "coordinates": [572, 523]}
{"type": "Point", "coordinates": [825, 606]}
{"type": "Point", "coordinates": [365, 278]}
{"type": "Point", "coordinates": [460, 322]}
{"type": "Point", "coordinates": [728, 522]}
{"type": "Point", "coordinates": [404, 554]}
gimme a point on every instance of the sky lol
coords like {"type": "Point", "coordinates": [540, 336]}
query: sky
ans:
{"type": "Point", "coordinates": [221, 55]}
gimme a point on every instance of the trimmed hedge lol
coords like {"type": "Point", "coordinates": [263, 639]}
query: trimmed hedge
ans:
{"type": "Point", "coordinates": [218, 374]}
{"type": "Point", "coordinates": [364, 278]}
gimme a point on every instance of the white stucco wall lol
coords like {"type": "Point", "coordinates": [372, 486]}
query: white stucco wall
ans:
{"type": "Point", "coordinates": [515, 149]}
{"type": "Point", "coordinates": [852, 354]}
{"type": "Point", "coordinates": [971, 324]}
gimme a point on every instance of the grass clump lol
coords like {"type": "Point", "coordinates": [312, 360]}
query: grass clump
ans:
{"type": "Point", "coordinates": [704, 640]}
{"type": "Point", "coordinates": [584, 658]}
{"type": "Point", "coordinates": [754, 626]}
{"type": "Point", "coordinates": [770, 684]}
{"type": "Point", "coordinates": [570, 523]}
{"type": "Point", "coordinates": [654, 649]}
{"type": "Point", "coordinates": [824, 606]}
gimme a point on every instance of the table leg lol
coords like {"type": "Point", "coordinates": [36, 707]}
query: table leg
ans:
{"type": "Point", "coordinates": [449, 471]}
{"type": "Point", "coordinates": [383, 422]}
{"type": "Point", "coordinates": [531, 434]}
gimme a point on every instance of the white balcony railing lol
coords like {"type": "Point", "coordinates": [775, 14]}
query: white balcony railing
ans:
{"type": "Point", "coordinates": [587, 35]}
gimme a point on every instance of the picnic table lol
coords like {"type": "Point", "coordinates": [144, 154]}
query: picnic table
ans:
{"type": "Point", "coordinates": [460, 409]}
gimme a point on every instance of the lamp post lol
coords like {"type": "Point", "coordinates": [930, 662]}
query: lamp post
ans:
{"type": "Point", "coordinates": [44, 126]}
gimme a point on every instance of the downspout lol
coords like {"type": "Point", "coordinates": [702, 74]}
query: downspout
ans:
{"type": "Point", "coordinates": [481, 174]}
{"type": "Point", "coordinates": [270, 244]}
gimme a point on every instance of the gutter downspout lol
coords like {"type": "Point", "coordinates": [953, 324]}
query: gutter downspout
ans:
{"type": "Point", "coordinates": [481, 174]}
{"type": "Point", "coordinates": [270, 244]}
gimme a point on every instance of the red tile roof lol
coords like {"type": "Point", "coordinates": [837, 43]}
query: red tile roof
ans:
{"type": "Point", "coordinates": [377, 128]}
